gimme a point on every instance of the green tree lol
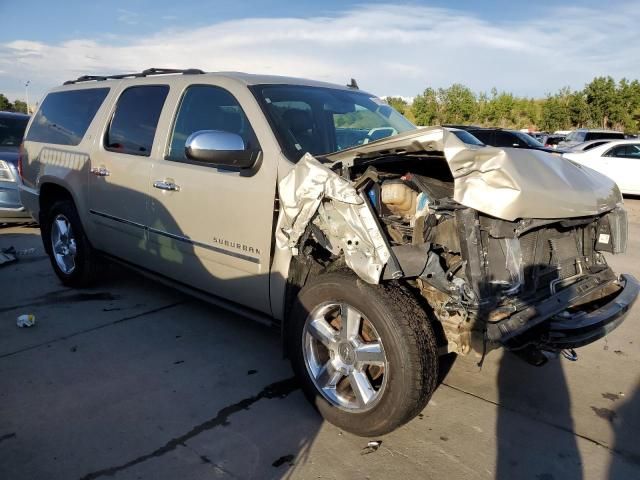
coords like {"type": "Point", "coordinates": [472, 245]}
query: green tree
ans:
{"type": "Point", "coordinates": [629, 98]}
{"type": "Point", "coordinates": [425, 108]}
{"type": "Point", "coordinates": [400, 104]}
{"type": "Point", "coordinates": [457, 104]}
{"type": "Point", "coordinates": [604, 102]}
{"type": "Point", "coordinates": [555, 113]}
{"type": "Point", "coordinates": [579, 114]}
{"type": "Point", "coordinates": [5, 104]}
{"type": "Point", "coordinates": [20, 106]}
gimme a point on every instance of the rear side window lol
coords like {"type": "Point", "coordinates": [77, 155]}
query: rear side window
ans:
{"type": "Point", "coordinates": [624, 151]}
{"type": "Point", "coordinates": [206, 107]}
{"type": "Point", "coordinates": [485, 136]}
{"type": "Point", "coordinates": [508, 139]}
{"type": "Point", "coordinates": [64, 117]}
{"type": "Point", "coordinates": [599, 135]}
{"type": "Point", "coordinates": [134, 122]}
{"type": "Point", "coordinates": [467, 138]}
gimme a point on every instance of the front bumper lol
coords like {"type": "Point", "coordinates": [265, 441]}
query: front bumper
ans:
{"type": "Point", "coordinates": [589, 327]}
{"type": "Point", "coordinates": [549, 325]}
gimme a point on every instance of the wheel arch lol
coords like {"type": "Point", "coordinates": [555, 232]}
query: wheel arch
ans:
{"type": "Point", "coordinates": [50, 193]}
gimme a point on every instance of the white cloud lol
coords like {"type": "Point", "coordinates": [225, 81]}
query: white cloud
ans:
{"type": "Point", "coordinates": [127, 17]}
{"type": "Point", "coordinates": [389, 49]}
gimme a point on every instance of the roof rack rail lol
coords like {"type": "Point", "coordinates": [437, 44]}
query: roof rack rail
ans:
{"type": "Point", "coordinates": [144, 73]}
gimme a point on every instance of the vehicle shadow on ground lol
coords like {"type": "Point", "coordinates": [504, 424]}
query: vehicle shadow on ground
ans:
{"type": "Point", "coordinates": [626, 427]}
{"type": "Point", "coordinates": [534, 385]}
{"type": "Point", "coordinates": [526, 449]}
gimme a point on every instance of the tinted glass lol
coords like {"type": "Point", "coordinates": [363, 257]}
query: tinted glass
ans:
{"type": "Point", "coordinates": [322, 120]}
{"type": "Point", "coordinates": [508, 139]}
{"type": "Point", "coordinates": [12, 130]}
{"type": "Point", "coordinates": [554, 140]}
{"type": "Point", "coordinates": [625, 151]}
{"type": "Point", "coordinates": [599, 135]}
{"type": "Point", "coordinates": [485, 136]}
{"type": "Point", "coordinates": [205, 107]}
{"type": "Point", "coordinates": [64, 117]}
{"type": "Point", "coordinates": [527, 140]}
{"type": "Point", "coordinates": [135, 120]}
{"type": "Point", "coordinates": [467, 138]}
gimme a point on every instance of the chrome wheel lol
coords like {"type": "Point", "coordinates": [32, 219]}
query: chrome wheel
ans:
{"type": "Point", "coordinates": [344, 356]}
{"type": "Point", "coordinates": [63, 244]}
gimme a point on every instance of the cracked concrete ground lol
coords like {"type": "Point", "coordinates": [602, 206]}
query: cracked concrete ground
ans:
{"type": "Point", "coordinates": [130, 380]}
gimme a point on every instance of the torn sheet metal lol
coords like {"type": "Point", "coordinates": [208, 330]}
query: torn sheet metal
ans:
{"type": "Point", "coordinates": [507, 183]}
{"type": "Point", "coordinates": [346, 221]}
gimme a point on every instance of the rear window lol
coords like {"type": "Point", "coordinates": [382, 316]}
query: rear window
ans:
{"type": "Point", "coordinates": [64, 117]}
{"type": "Point", "coordinates": [134, 122]}
{"type": "Point", "coordinates": [599, 135]}
{"type": "Point", "coordinates": [12, 130]}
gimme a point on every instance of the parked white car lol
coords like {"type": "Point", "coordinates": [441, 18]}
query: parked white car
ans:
{"type": "Point", "coordinates": [619, 160]}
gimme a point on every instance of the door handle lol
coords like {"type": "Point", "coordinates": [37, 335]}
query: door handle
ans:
{"type": "Point", "coordinates": [100, 171]}
{"type": "Point", "coordinates": [166, 185]}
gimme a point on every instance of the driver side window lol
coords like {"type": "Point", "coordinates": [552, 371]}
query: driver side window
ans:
{"type": "Point", "coordinates": [206, 107]}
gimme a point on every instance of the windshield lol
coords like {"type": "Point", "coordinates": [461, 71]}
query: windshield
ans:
{"type": "Point", "coordinates": [322, 120]}
{"type": "Point", "coordinates": [12, 131]}
{"type": "Point", "coordinates": [528, 139]}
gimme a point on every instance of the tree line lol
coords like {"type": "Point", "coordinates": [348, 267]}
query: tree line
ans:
{"type": "Point", "coordinates": [16, 106]}
{"type": "Point", "coordinates": [602, 103]}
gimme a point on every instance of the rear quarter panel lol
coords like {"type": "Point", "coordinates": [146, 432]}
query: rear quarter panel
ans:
{"type": "Point", "coordinates": [64, 165]}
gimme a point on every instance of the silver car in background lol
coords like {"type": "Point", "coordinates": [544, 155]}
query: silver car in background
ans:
{"type": "Point", "coordinates": [585, 134]}
{"type": "Point", "coordinates": [12, 127]}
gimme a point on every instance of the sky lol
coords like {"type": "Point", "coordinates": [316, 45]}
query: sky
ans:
{"type": "Point", "coordinates": [525, 47]}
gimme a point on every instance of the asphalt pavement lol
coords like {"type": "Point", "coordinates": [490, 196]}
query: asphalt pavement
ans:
{"type": "Point", "coordinates": [132, 380]}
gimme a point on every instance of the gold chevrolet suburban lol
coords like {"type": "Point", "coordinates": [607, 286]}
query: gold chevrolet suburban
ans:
{"type": "Point", "coordinates": [374, 245]}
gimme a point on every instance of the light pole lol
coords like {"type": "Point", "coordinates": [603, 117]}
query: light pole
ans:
{"type": "Point", "coordinates": [26, 93]}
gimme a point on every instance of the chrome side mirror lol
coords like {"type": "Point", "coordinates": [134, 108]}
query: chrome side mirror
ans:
{"type": "Point", "coordinates": [221, 149]}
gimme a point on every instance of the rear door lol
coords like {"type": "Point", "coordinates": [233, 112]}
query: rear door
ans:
{"type": "Point", "coordinates": [213, 228]}
{"type": "Point", "coordinates": [119, 179]}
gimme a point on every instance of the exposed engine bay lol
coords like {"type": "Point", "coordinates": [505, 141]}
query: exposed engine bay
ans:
{"type": "Point", "coordinates": [529, 284]}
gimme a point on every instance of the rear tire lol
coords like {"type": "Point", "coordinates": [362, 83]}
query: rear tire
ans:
{"type": "Point", "coordinates": [72, 257]}
{"type": "Point", "coordinates": [392, 352]}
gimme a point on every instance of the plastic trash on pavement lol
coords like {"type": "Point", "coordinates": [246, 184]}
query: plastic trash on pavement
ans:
{"type": "Point", "coordinates": [28, 320]}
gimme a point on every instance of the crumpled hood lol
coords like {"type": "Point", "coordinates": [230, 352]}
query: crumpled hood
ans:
{"type": "Point", "coordinates": [507, 183]}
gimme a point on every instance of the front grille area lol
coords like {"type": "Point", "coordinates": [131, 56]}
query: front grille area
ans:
{"type": "Point", "coordinates": [550, 254]}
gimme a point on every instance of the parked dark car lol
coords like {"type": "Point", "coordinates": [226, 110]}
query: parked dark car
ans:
{"type": "Point", "coordinates": [12, 127]}
{"type": "Point", "coordinates": [498, 137]}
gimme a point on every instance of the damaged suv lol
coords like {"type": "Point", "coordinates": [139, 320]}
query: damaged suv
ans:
{"type": "Point", "coordinates": [374, 245]}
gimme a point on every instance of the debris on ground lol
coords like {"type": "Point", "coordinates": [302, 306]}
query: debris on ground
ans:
{"type": "Point", "coordinates": [7, 255]}
{"type": "Point", "coordinates": [27, 320]}
{"type": "Point", "coordinates": [284, 459]}
{"type": "Point", "coordinates": [371, 447]}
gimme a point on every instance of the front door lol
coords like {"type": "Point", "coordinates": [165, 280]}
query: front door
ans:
{"type": "Point", "coordinates": [119, 178]}
{"type": "Point", "coordinates": [211, 228]}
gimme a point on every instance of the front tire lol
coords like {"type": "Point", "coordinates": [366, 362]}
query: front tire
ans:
{"type": "Point", "coordinates": [72, 257]}
{"type": "Point", "coordinates": [365, 355]}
